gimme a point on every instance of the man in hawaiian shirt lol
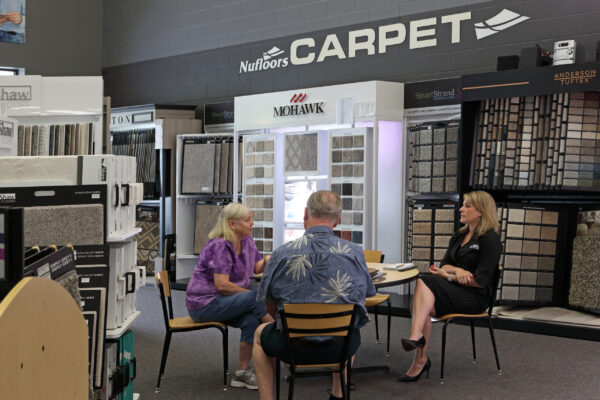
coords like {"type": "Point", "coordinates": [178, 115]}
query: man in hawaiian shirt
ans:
{"type": "Point", "coordinates": [319, 267]}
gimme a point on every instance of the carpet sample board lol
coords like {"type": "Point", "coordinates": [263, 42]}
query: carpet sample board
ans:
{"type": "Point", "coordinates": [538, 142]}
{"type": "Point", "coordinates": [347, 171]}
{"type": "Point", "coordinates": [529, 258]}
{"type": "Point", "coordinates": [198, 168]}
{"type": "Point", "coordinates": [206, 218]}
{"type": "Point", "coordinates": [433, 157]}
{"type": "Point", "coordinates": [148, 240]}
{"type": "Point", "coordinates": [258, 183]}
{"type": "Point", "coordinates": [60, 225]}
{"type": "Point", "coordinates": [431, 224]}
{"type": "Point", "coordinates": [301, 152]}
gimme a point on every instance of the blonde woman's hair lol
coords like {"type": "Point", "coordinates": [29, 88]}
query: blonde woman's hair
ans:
{"type": "Point", "coordinates": [485, 204]}
{"type": "Point", "coordinates": [231, 212]}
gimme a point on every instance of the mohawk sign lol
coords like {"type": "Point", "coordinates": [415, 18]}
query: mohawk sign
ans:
{"type": "Point", "coordinates": [297, 108]}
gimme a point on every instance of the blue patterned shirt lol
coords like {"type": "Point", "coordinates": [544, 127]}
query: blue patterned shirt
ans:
{"type": "Point", "coordinates": [319, 267]}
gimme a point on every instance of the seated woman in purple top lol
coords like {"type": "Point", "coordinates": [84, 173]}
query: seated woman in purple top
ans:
{"type": "Point", "coordinates": [218, 288]}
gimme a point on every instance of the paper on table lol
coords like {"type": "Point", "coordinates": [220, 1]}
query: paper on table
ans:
{"type": "Point", "coordinates": [400, 266]}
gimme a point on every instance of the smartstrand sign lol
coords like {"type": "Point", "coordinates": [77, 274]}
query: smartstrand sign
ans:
{"type": "Point", "coordinates": [416, 34]}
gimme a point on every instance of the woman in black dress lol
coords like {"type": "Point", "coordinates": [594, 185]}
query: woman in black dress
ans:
{"type": "Point", "coordinates": [464, 281]}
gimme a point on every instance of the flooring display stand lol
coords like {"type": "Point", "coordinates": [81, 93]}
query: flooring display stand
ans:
{"type": "Point", "coordinates": [531, 139]}
{"type": "Point", "coordinates": [47, 357]}
{"type": "Point", "coordinates": [432, 131]}
{"type": "Point", "coordinates": [206, 181]}
{"type": "Point", "coordinates": [55, 115]}
{"type": "Point", "coordinates": [149, 133]}
{"type": "Point", "coordinates": [345, 138]}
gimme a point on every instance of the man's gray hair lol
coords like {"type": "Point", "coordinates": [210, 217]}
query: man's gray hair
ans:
{"type": "Point", "coordinates": [325, 205]}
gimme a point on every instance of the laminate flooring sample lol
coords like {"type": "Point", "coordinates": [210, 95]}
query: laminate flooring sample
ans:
{"type": "Point", "coordinates": [198, 165]}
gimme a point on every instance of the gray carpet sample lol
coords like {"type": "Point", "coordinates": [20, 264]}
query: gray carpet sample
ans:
{"type": "Point", "coordinates": [217, 168]}
{"type": "Point", "coordinates": [585, 274]}
{"type": "Point", "coordinates": [206, 218]}
{"type": "Point", "coordinates": [301, 152]}
{"type": "Point", "coordinates": [60, 225]}
{"type": "Point", "coordinates": [224, 167]}
{"type": "Point", "coordinates": [198, 165]}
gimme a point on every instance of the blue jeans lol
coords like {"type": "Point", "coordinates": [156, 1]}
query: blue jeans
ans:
{"type": "Point", "coordinates": [240, 310]}
{"type": "Point", "coordinates": [12, 37]}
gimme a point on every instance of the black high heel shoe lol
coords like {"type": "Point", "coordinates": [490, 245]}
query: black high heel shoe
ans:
{"type": "Point", "coordinates": [415, 378]}
{"type": "Point", "coordinates": [410, 345]}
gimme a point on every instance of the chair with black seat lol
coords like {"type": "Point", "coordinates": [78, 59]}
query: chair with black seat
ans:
{"type": "Point", "coordinates": [183, 324]}
{"type": "Point", "coordinates": [315, 319]}
{"type": "Point", "coordinates": [376, 256]}
{"type": "Point", "coordinates": [486, 315]}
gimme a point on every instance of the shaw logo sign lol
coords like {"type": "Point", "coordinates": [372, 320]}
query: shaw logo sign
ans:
{"type": "Point", "coordinates": [417, 34]}
{"type": "Point", "coordinates": [297, 108]}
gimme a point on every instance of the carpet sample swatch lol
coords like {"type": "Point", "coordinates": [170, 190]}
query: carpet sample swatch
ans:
{"type": "Point", "coordinates": [585, 275]}
{"type": "Point", "coordinates": [60, 225]}
{"type": "Point", "coordinates": [198, 164]}
{"type": "Point", "coordinates": [206, 218]}
{"type": "Point", "coordinates": [301, 152]}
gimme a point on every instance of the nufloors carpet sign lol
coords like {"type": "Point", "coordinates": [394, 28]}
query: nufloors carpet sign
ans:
{"type": "Point", "coordinates": [420, 33]}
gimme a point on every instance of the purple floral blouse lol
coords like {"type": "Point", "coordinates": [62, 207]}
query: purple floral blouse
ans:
{"type": "Point", "coordinates": [218, 257]}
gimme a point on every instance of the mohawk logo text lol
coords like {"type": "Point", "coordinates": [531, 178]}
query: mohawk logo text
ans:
{"type": "Point", "coordinates": [15, 93]}
{"type": "Point", "coordinates": [298, 109]}
{"type": "Point", "coordinates": [575, 77]}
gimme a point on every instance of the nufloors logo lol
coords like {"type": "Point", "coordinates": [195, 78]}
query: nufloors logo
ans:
{"type": "Point", "coordinates": [268, 61]}
{"type": "Point", "coordinates": [296, 107]}
{"type": "Point", "coordinates": [415, 34]}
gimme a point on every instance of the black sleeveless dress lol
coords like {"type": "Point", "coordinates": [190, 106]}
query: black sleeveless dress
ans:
{"type": "Point", "coordinates": [480, 256]}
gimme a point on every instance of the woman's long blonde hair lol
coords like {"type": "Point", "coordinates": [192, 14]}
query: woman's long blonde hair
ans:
{"type": "Point", "coordinates": [231, 212]}
{"type": "Point", "coordinates": [485, 204]}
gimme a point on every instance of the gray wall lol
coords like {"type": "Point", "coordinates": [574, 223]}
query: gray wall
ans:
{"type": "Point", "coordinates": [63, 37]}
{"type": "Point", "coordinates": [213, 74]}
{"type": "Point", "coordinates": [138, 31]}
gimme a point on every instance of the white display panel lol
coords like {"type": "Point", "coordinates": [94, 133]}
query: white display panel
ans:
{"type": "Point", "coordinates": [295, 196]}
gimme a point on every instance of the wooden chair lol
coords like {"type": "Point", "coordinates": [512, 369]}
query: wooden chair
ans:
{"type": "Point", "coordinates": [310, 319]}
{"type": "Point", "coordinates": [486, 315]}
{"type": "Point", "coordinates": [377, 256]}
{"type": "Point", "coordinates": [184, 324]}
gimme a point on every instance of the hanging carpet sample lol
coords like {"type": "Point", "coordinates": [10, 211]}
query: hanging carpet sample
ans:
{"type": "Point", "coordinates": [148, 240]}
{"type": "Point", "coordinates": [198, 163]}
{"type": "Point", "coordinates": [60, 225]}
{"type": "Point", "coordinates": [585, 274]}
{"type": "Point", "coordinates": [230, 169]}
{"type": "Point", "coordinates": [301, 152]}
{"type": "Point", "coordinates": [206, 218]}
{"type": "Point", "coordinates": [217, 168]}
{"type": "Point", "coordinates": [224, 167]}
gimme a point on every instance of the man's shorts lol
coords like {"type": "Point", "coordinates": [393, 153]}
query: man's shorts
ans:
{"type": "Point", "coordinates": [307, 351]}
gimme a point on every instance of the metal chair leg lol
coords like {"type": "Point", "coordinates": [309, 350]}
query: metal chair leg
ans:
{"type": "Point", "coordinates": [348, 381]}
{"type": "Point", "coordinates": [376, 325]}
{"type": "Point", "coordinates": [225, 334]}
{"type": "Point", "coordinates": [163, 360]}
{"type": "Point", "coordinates": [291, 383]}
{"type": "Point", "coordinates": [389, 321]}
{"type": "Point", "coordinates": [494, 345]}
{"type": "Point", "coordinates": [473, 342]}
{"type": "Point", "coordinates": [277, 377]}
{"type": "Point", "coordinates": [443, 350]}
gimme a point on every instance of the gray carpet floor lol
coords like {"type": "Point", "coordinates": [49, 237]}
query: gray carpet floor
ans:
{"type": "Point", "coordinates": [533, 366]}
